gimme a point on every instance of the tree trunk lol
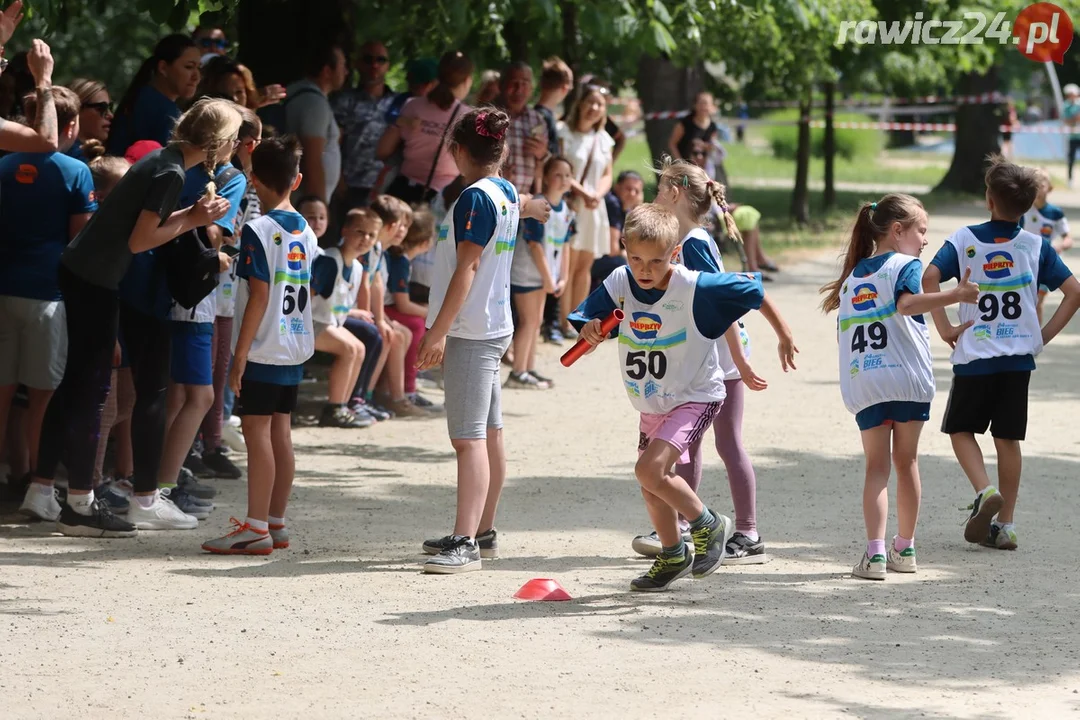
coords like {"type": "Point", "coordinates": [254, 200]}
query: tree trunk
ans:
{"type": "Point", "coordinates": [568, 10]}
{"type": "Point", "coordinates": [829, 200]}
{"type": "Point", "coordinates": [800, 198]}
{"type": "Point", "coordinates": [517, 40]}
{"type": "Point", "coordinates": [277, 36]}
{"type": "Point", "coordinates": [663, 86]}
{"type": "Point", "coordinates": [976, 136]}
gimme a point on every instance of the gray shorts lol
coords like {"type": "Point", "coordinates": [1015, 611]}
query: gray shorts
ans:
{"type": "Point", "coordinates": [320, 328]}
{"type": "Point", "coordinates": [473, 388]}
{"type": "Point", "coordinates": [33, 342]}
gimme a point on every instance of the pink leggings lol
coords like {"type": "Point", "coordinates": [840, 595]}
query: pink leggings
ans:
{"type": "Point", "coordinates": [727, 429]}
{"type": "Point", "coordinates": [415, 323]}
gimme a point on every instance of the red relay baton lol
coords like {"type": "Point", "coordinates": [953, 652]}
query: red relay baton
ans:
{"type": "Point", "coordinates": [581, 347]}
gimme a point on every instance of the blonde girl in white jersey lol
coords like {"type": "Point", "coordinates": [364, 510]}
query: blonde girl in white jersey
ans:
{"type": "Point", "coordinates": [468, 331]}
{"type": "Point", "coordinates": [886, 373]}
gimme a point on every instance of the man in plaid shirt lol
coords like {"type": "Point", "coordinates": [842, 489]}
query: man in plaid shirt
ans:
{"type": "Point", "coordinates": [527, 139]}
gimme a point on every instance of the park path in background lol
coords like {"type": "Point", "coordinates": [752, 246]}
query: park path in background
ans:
{"type": "Point", "coordinates": [343, 625]}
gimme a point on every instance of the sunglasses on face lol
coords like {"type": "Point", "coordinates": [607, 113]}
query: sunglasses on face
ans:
{"type": "Point", "coordinates": [208, 43]}
{"type": "Point", "coordinates": [374, 59]}
{"type": "Point", "coordinates": [100, 107]}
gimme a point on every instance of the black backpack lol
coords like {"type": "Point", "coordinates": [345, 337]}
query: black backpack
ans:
{"type": "Point", "coordinates": [190, 260]}
{"type": "Point", "coordinates": [274, 115]}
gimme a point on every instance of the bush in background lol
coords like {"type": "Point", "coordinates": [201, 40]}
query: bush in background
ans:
{"type": "Point", "coordinates": [850, 144]}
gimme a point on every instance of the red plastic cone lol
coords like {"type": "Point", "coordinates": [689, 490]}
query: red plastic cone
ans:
{"type": "Point", "coordinates": [542, 589]}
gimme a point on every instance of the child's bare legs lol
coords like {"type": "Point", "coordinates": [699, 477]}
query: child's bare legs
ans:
{"type": "Point", "coordinates": [473, 482]}
{"type": "Point", "coordinates": [908, 485]}
{"type": "Point", "coordinates": [348, 355]}
{"type": "Point", "coordinates": [496, 479]}
{"type": "Point", "coordinates": [384, 355]}
{"type": "Point", "coordinates": [653, 472]}
{"type": "Point", "coordinates": [530, 313]}
{"type": "Point", "coordinates": [876, 443]}
{"type": "Point", "coordinates": [752, 243]}
{"type": "Point", "coordinates": [284, 466]}
{"type": "Point", "coordinates": [577, 284]}
{"type": "Point", "coordinates": [1039, 306]}
{"type": "Point", "coordinates": [194, 402]}
{"type": "Point", "coordinates": [1010, 464]}
{"type": "Point", "coordinates": [969, 455]}
{"type": "Point", "coordinates": [261, 464]}
{"type": "Point", "coordinates": [395, 365]}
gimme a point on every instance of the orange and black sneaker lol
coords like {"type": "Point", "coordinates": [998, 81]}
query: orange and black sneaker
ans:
{"type": "Point", "coordinates": [280, 535]}
{"type": "Point", "coordinates": [243, 540]}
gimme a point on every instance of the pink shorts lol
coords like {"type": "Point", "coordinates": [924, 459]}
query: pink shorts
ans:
{"type": "Point", "coordinates": [680, 428]}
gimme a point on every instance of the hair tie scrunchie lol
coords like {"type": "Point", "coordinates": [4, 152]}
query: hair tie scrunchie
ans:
{"type": "Point", "coordinates": [723, 209]}
{"type": "Point", "coordinates": [873, 207]}
{"type": "Point", "coordinates": [482, 130]}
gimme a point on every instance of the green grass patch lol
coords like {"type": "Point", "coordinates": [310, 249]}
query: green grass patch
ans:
{"type": "Point", "coordinates": [850, 144]}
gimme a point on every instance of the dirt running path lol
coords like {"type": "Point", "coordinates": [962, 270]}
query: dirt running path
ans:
{"type": "Point", "coordinates": [342, 625]}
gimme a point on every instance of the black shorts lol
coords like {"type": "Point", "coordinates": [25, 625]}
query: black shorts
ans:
{"type": "Point", "coordinates": [259, 398]}
{"type": "Point", "coordinates": [998, 401]}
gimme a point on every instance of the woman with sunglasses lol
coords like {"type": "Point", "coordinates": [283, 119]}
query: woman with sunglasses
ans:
{"type": "Point", "coordinates": [95, 117]}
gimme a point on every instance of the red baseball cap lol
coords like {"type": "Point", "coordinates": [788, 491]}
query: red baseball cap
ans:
{"type": "Point", "coordinates": [137, 151]}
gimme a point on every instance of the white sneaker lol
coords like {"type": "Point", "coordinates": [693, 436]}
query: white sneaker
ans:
{"type": "Point", "coordinates": [901, 562]}
{"type": "Point", "coordinates": [43, 506]}
{"type": "Point", "coordinates": [870, 568]}
{"type": "Point", "coordinates": [233, 438]}
{"type": "Point", "coordinates": [233, 421]}
{"type": "Point", "coordinates": [162, 515]}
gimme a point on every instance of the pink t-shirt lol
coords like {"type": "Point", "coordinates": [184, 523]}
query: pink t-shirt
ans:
{"type": "Point", "coordinates": [422, 126]}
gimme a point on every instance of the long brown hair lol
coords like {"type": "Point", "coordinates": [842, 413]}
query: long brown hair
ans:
{"type": "Point", "coordinates": [701, 191]}
{"type": "Point", "coordinates": [873, 222]}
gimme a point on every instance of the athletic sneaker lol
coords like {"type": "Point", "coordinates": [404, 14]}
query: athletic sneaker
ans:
{"type": "Point", "coordinates": [222, 466]}
{"type": "Point", "coordinates": [870, 568]}
{"type": "Point", "coordinates": [339, 416]}
{"type": "Point", "coordinates": [241, 541]}
{"type": "Point", "coordinates": [162, 515]}
{"type": "Point", "coordinates": [901, 561]}
{"type": "Point", "coordinates": [40, 505]}
{"type": "Point", "coordinates": [193, 487]}
{"type": "Point", "coordinates": [195, 464]}
{"type": "Point", "coordinates": [650, 545]}
{"type": "Point", "coordinates": [424, 404]}
{"type": "Point", "coordinates": [664, 571]}
{"type": "Point", "coordinates": [709, 544]}
{"type": "Point", "coordinates": [404, 408]}
{"type": "Point", "coordinates": [188, 504]}
{"type": "Point", "coordinates": [983, 510]}
{"type": "Point", "coordinates": [553, 335]}
{"type": "Point", "coordinates": [362, 415]}
{"type": "Point", "coordinates": [1000, 538]}
{"type": "Point", "coordinates": [100, 523]}
{"type": "Point", "coordinates": [488, 543]}
{"type": "Point", "coordinates": [524, 381]}
{"type": "Point", "coordinates": [541, 378]}
{"type": "Point", "coordinates": [462, 556]}
{"type": "Point", "coordinates": [231, 436]}
{"type": "Point", "coordinates": [110, 492]}
{"type": "Point", "coordinates": [741, 550]}
{"type": "Point", "coordinates": [280, 535]}
{"type": "Point", "coordinates": [358, 404]}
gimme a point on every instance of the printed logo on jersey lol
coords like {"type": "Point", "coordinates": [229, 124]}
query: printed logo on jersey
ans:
{"type": "Point", "coordinates": [277, 238]}
{"type": "Point", "coordinates": [1046, 230]}
{"type": "Point", "coordinates": [645, 326]}
{"type": "Point", "coordinates": [971, 251]}
{"type": "Point", "coordinates": [632, 388]}
{"type": "Point", "coordinates": [26, 174]}
{"type": "Point", "coordinates": [981, 332]}
{"type": "Point", "coordinates": [295, 258]}
{"type": "Point", "coordinates": [444, 232]}
{"type": "Point", "coordinates": [865, 297]}
{"type": "Point", "coordinates": [674, 306]}
{"type": "Point", "coordinates": [853, 368]}
{"type": "Point", "coordinates": [998, 265]}
{"type": "Point", "coordinates": [296, 273]}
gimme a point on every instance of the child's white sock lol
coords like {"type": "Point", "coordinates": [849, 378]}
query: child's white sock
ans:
{"type": "Point", "coordinates": [43, 489]}
{"type": "Point", "coordinates": [147, 501]}
{"type": "Point", "coordinates": [81, 503]}
{"type": "Point", "coordinates": [258, 525]}
{"type": "Point", "coordinates": [276, 521]}
{"type": "Point", "coordinates": [752, 535]}
{"type": "Point", "coordinates": [988, 490]}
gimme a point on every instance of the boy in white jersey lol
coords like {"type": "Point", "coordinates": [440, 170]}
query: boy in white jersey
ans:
{"type": "Point", "coordinates": [276, 335]}
{"type": "Point", "coordinates": [995, 345]}
{"type": "Point", "coordinates": [672, 375]}
{"type": "Point", "coordinates": [1047, 221]}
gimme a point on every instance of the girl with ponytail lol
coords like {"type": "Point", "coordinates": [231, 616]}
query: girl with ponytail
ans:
{"type": "Point", "coordinates": [886, 372]}
{"type": "Point", "coordinates": [691, 194]}
{"type": "Point", "coordinates": [151, 105]}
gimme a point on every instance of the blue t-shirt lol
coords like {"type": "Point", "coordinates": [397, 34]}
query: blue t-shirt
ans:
{"type": "Point", "coordinates": [909, 280]}
{"type": "Point", "coordinates": [475, 215]}
{"type": "Point", "coordinates": [152, 117]}
{"type": "Point", "coordinates": [713, 309]}
{"type": "Point", "coordinates": [400, 268]}
{"type": "Point", "coordinates": [324, 275]}
{"type": "Point", "coordinates": [1052, 273]}
{"type": "Point", "coordinates": [615, 214]}
{"type": "Point", "coordinates": [39, 193]}
{"type": "Point", "coordinates": [75, 151]}
{"type": "Point", "coordinates": [696, 255]}
{"type": "Point", "coordinates": [252, 264]}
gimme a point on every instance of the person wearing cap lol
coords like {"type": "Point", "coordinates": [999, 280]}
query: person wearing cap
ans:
{"type": "Point", "coordinates": [1072, 120]}
{"type": "Point", "coordinates": [361, 113]}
